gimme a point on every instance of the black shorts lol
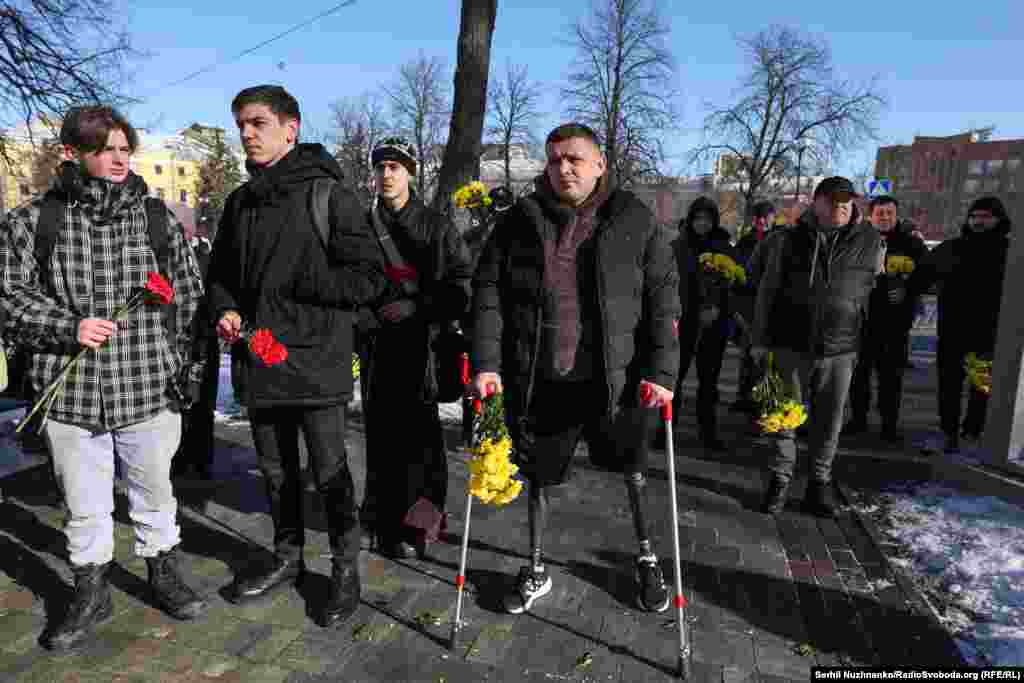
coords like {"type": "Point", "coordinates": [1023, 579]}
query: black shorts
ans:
{"type": "Point", "coordinates": [564, 412]}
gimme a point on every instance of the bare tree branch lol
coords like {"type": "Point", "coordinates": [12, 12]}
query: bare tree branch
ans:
{"type": "Point", "coordinates": [790, 105]}
{"type": "Point", "coordinates": [420, 108]}
{"type": "Point", "coordinates": [623, 83]}
{"type": "Point", "coordinates": [358, 125]}
{"type": "Point", "coordinates": [514, 110]}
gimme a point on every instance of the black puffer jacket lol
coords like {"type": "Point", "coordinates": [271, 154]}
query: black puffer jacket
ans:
{"type": "Point", "coordinates": [813, 296]}
{"type": "Point", "coordinates": [969, 271]}
{"type": "Point", "coordinates": [688, 250]}
{"type": "Point", "coordinates": [269, 263]}
{"type": "Point", "coordinates": [637, 295]}
{"type": "Point", "coordinates": [886, 317]}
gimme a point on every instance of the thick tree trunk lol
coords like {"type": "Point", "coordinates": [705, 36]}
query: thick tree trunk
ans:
{"type": "Point", "coordinates": [461, 160]}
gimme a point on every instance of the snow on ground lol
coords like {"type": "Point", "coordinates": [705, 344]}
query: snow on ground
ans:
{"type": "Point", "coordinates": [967, 554]}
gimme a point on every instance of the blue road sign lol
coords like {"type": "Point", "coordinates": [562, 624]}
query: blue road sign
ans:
{"type": "Point", "coordinates": [878, 187]}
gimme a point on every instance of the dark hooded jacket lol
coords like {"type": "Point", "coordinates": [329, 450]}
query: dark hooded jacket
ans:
{"type": "Point", "coordinates": [635, 296]}
{"type": "Point", "coordinates": [813, 295]}
{"type": "Point", "coordinates": [270, 264]}
{"type": "Point", "coordinates": [885, 317]}
{"type": "Point", "coordinates": [694, 291]}
{"type": "Point", "coordinates": [969, 271]}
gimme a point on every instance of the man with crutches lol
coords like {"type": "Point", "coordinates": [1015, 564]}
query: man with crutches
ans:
{"type": "Point", "coordinates": [576, 307]}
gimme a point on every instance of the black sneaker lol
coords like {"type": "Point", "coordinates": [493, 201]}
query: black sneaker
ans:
{"type": "Point", "coordinates": [652, 593]}
{"type": "Point", "coordinates": [530, 585]}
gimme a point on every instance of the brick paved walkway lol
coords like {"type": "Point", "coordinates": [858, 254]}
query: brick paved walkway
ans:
{"type": "Point", "coordinates": [769, 598]}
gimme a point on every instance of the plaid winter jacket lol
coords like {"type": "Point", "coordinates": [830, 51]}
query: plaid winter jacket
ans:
{"type": "Point", "coordinates": [101, 255]}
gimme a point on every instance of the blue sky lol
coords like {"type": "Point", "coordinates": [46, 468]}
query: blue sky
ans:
{"type": "Point", "coordinates": [943, 70]}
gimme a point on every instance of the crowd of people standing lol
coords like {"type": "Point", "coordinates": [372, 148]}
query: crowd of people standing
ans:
{"type": "Point", "coordinates": [583, 311]}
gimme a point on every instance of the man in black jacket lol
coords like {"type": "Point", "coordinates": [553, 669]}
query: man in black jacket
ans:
{"type": "Point", "coordinates": [811, 303]}
{"type": "Point", "coordinates": [891, 313]}
{"type": "Point", "coordinates": [762, 223]}
{"type": "Point", "coordinates": [708, 312]}
{"type": "Point", "coordinates": [576, 305]}
{"type": "Point", "coordinates": [272, 268]}
{"type": "Point", "coordinates": [969, 270]}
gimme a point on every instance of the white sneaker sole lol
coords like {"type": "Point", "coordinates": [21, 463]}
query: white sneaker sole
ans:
{"type": "Point", "coordinates": [523, 604]}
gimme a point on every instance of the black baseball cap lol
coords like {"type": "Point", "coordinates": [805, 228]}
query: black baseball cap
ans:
{"type": "Point", "coordinates": [835, 185]}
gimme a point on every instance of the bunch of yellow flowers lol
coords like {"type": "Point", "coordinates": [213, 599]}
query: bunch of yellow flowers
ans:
{"type": "Point", "coordinates": [491, 471]}
{"type": "Point", "coordinates": [979, 372]}
{"type": "Point", "coordinates": [472, 196]}
{"type": "Point", "coordinates": [788, 416]}
{"type": "Point", "coordinates": [724, 267]}
{"type": "Point", "coordinates": [355, 366]}
{"type": "Point", "coordinates": [899, 265]}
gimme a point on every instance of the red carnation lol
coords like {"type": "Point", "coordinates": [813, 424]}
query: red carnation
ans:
{"type": "Point", "coordinates": [478, 406]}
{"type": "Point", "coordinates": [266, 348]}
{"type": "Point", "coordinates": [160, 288]}
{"type": "Point", "coordinates": [399, 274]}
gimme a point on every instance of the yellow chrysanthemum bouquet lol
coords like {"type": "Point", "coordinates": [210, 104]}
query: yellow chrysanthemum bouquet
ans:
{"type": "Point", "coordinates": [777, 409]}
{"type": "Point", "coordinates": [979, 372]}
{"type": "Point", "coordinates": [491, 470]}
{"type": "Point", "coordinates": [722, 268]}
{"type": "Point", "coordinates": [355, 366]}
{"type": "Point", "coordinates": [899, 265]}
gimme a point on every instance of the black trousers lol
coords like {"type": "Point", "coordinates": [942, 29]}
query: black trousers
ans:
{"type": "Point", "coordinates": [196, 448]}
{"type": "Point", "coordinates": [708, 347]}
{"type": "Point", "coordinates": [882, 354]}
{"type": "Point", "coordinates": [951, 390]}
{"type": "Point", "coordinates": [275, 432]}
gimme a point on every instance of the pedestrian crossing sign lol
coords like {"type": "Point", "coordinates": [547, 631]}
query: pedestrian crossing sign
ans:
{"type": "Point", "coordinates": [877, 187]}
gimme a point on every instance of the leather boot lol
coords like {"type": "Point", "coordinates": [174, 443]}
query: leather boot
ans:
{"type": "Point", "coordinates": [266, 580]}
{"type": "Point", "coordinates": [90, 606]}
{"type": "Point", "coordinates": [820, 499]}
{"type": "Point", "coordinates": [170, 591]}
{"type": "Point", "coordinates": [343, 594]}
{"type": "Point", "coordinates": [775, 497]}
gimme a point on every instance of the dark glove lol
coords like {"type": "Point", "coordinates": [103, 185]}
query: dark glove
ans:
{"type": "Point", "coordinates": [189, 384]}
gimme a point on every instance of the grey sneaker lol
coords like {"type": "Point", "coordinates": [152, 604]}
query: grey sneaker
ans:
{"type": "Point", "coordinates": [529, 586]}
{"type": "Point", "coordinates": [652, 594]}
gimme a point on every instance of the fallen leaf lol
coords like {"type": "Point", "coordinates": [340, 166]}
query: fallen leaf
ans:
{"type": "Point", "coordinates": [804, 649]}
{"type": "Point", "coordinates": [584, 662]}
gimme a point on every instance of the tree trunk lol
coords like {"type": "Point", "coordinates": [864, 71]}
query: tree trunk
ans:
{"type": "Point", "coordinates": [508, 162]}
{"type": "Point", "coordinates": [462, 152]}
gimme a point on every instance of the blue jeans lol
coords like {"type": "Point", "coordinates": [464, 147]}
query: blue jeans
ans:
{"type": "Point", "coordinates": [83, 462]}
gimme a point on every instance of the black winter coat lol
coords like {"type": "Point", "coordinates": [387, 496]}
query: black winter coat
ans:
{"type": "Point", "coordinates": [969, 271]}
{"type": "Point", "coordinates": [430, 243]}
{"type": "Point", "coordinates": [885, 317]}
{"type": "Point", "coordinates": [637, 295]}
{"type": "Point", "coordinates": [270, 264]}
{"type": "Point", "coordinates": [693, 286]}
{"type": "Point", "coordinates": [813, 296]}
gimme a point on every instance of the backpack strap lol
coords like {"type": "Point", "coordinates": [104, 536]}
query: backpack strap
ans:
{"type": "Point", "coordinates": [320, 208]}
{"type": "Point", "coordinates": [51, 220]}
{"type": "Point", "coordinates": [159, 228]}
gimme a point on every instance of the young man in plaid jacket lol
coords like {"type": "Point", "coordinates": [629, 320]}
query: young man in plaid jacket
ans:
{"type": "Point", "coordinates": [124, 395]}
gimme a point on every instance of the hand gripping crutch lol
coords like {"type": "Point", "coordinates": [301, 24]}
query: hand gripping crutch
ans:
{"type": "Point", "coordinates": [683, 669]}
{"type": "Point", "coordinates": [460, 578]}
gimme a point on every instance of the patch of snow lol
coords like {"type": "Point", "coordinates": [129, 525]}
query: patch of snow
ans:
{"type": "Point", "coordinates": [967, 552]}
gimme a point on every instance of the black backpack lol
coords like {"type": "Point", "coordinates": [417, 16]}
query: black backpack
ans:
{"type": "Point", "coordinates": [51, 220]}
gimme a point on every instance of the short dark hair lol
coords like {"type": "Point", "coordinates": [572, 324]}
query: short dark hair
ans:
{"type": "Point", "coordinates": [87, 128]}
{"type": "Point", "coordinates": [882, 201]}
{"type": "Point", "coordinates": [279, 100]}
{"type": "Point", "coordinates": [568, 131]}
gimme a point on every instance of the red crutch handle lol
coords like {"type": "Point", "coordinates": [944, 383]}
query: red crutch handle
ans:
{"type": "Point", "coordinates": [666, 412]}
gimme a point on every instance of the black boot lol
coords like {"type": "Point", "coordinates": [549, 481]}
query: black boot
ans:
{"type": "Point", "coordinates": [343, 594]}
{"type": "Point", "coordinates": [170, 591]}
{"type": "Point", "coordinates": [820, 499]}
{"type": "Point", "coordinates": [775, 498]}
{"type": "Point", "coordinates": [90, 606]}
{"type": "Point", "coordinates": [265, 580]}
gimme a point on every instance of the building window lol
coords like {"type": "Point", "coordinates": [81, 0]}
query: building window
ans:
{"type": "Point", "coordinates": [160, 192]}
{"type": "Point", "coordinates": [971, 185]}
{"type": "Point", "coordinates": [181, 171]}
{"type": "Point", "coordinates": [184, 196]}
{"type": "Point", "coordinates": [976, 167]}
{"type": "Point", "coordinates": [158, 169]}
